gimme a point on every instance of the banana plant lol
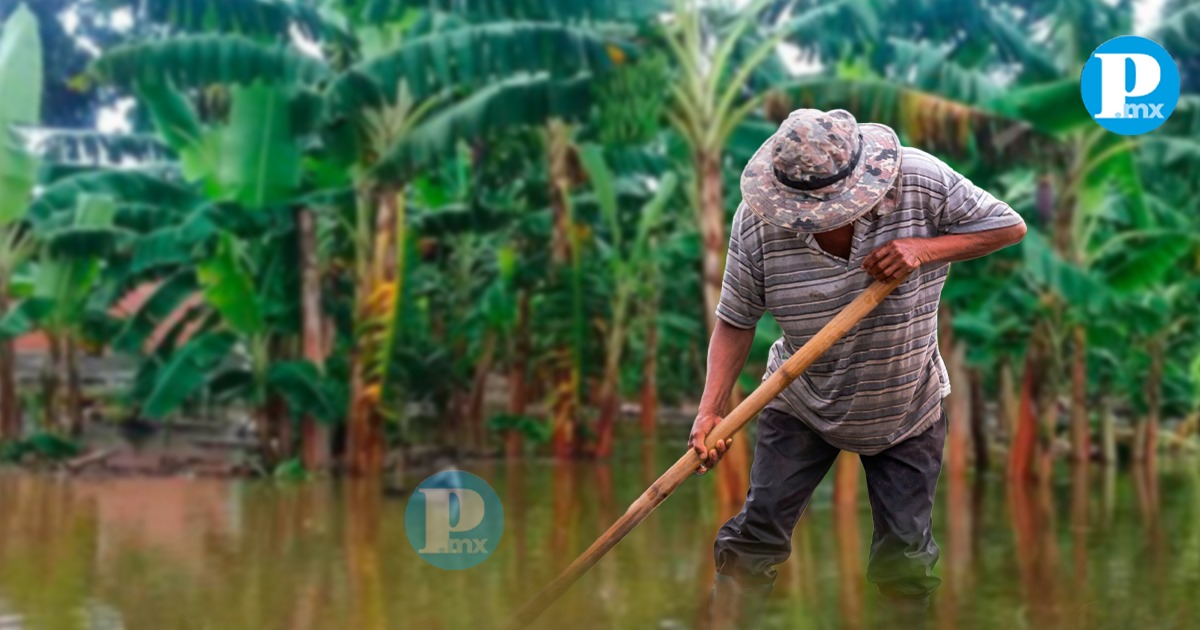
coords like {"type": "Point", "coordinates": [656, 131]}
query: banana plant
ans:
{"type": "Point", "coordinates": [629, 266]}
{"type": "Point", "coordinates": [65, 273]}
{"type": "Point", "coordinates": [356, 122]}
{"type": "Point", "coordinates": [236, 356]}
{"type": "Point", "coordinates": [21, 71]}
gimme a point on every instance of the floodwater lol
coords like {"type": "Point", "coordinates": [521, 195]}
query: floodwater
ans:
{"type": "Point", "coordinates": [1105, 549]}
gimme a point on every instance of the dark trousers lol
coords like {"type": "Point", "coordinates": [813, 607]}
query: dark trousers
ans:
{"type": "Point", "coordinates": [790, 460]}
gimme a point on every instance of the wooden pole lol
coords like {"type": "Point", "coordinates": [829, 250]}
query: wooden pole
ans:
{"type": "Point", "coordinates": [682, 469]}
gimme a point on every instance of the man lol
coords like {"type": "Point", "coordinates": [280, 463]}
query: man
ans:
{"type": "Point", "coordinates": [828, 205]}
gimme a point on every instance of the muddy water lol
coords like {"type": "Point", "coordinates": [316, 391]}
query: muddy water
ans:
{"type": "Point", "coordinates": [1101, 550]}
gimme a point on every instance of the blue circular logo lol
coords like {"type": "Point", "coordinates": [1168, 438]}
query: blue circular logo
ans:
{"type": "Point", "coordinates": [454, 520]}
{"type": "Point", "coordinates": [1130, 85]}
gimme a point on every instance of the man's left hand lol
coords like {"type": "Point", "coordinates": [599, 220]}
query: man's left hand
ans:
{"type": "Point", "coordinates": [895, 259]}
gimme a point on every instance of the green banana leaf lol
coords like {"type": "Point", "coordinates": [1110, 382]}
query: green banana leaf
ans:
{"type": "Point", "coordinates": [229, 288]}
{"type": "Point", "coordinates": [25, 317]}
{"type": "Point", "coordinates": [515, 102]}
{"type": "Point", "coordinates": [259, 156]}
{"type": "Point", "coordinates": [261, 19]}
{"type": "Point", "coordinates": [1079, 287]}
{"type": "Point", "coordinates": [305, 390]}
{"type": "Point", "coordinates": [933, 122]}
{"type": "Point", "coordinates": [198, 61]}
{"type": "Point", "coordinates": [1053, 108]}
{"type": "Point", "coordinates": [21, 76]}
{"type": "Point", "coordinates": [1150, 262]}
{"type": "Point", "coordinates": [371, 11]}
{"type": "Point", "coordinates": [82, 147]}
{"type": "Point", "coordinates": [187, 371]}
{"type": "Point", "coordinates": [138, 190]}
{"type": "Point", "coordinates": [472, 56]}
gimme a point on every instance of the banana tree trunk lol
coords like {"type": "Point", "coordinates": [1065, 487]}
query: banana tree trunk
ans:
{"type": "Point", "coordinates": [958, 408]}
{"type": "Point", "coordinates": [979, 437]}
{"type": "Point", "coordinates": [1024, 439]}
{"type": "Point", "coordinates": [649, 396]}
{"type": "Point", "coordinates": [565, 377]}
{"type": "Point", "coordinates": [1153, 401]}
{"type": "Point", "coordinates": [610, 390]}
{"type": "Point", "coordinates": [10, 420]}
{"type": "Point", "coordinates": [1009, 403]}
{"type": "Point", "coordinates": [849, 555]}
{"type": "Point", "coordinates": [712, 230]}
{"type": "Point", "coordinates": [74, 390]}
{"type": "Point", "coordinates": [269, 419]}
{"type": "Point", "coordinates": [1108, 433]}
{"type": "Point", "coordinates": [314, 436]}
{"type": "Point", "coordinates": [1137, 450]}
{"type": "Point", "coordinates": [518, 388]}
{"type": "Point", "coordinates": [475, 409]}
{"type": "Point", "coordinates": [377, 294]}
{"type": "Point", "coordinates": [732, 473]}
{"type": "Point", "coordinates": [51, 405]}
{"type": "Point", "coordinates": [1081, 438]}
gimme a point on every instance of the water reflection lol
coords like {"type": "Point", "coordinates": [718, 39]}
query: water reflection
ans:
{"type": "Point", "coordinates": [1094, 548]}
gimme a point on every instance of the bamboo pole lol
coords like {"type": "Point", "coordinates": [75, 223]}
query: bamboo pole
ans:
{"type": "Point", "coordinates": [682, 469]}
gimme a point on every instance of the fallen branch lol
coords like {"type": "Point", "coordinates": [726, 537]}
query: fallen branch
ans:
{"type": "Point", "coordinates": [79, 463]}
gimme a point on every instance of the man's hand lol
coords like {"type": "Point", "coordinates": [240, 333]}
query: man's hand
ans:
{"type": "Point", "coordinates": [700, 428]}
{"type": "Point", "coordinates": [895, 259]}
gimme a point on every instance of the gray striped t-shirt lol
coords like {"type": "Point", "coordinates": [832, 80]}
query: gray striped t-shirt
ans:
{"type": "Point", "coordinates": [883, 382]}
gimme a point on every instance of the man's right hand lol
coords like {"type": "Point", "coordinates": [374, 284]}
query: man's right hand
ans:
{"type": "Point", "coordinates": [700, 428]}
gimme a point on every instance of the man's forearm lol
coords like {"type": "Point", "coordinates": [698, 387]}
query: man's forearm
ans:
{"type": "Point", "coordinates": [897, 258]}
{"type": "Point", "coordinates": [959, 247]}
{"type": "Point", "coordinates": [727, 352]}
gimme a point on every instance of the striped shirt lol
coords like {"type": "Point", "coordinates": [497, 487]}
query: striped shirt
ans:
{"type": "Point", "coordinates": [883, 382]}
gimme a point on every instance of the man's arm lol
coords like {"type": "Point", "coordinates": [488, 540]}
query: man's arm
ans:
{"type": "Point", "coordinates": [905, 255]}
{"type": "Point", "coordinates": [727, 352]}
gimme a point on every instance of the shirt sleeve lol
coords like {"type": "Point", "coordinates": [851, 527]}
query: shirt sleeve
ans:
{"type": "Point", "coordinates": [742, 302]}
{"type": "Point", "coordinates": [969, 208]}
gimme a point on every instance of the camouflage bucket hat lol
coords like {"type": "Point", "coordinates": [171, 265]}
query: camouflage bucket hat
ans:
{"type": "Point", "coordinates": [821, 171]}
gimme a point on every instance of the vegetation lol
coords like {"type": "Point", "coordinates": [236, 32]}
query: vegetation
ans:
{"type": "Point", "coordinates": [354, 216]}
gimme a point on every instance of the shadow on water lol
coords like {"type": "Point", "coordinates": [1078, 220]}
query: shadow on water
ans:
{"type": "Point", "coordinates": [1094, 547]}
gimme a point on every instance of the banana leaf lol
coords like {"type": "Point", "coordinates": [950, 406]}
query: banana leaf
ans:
{"type": "Point", "coordinates": [259, 161]}
{"type": "Point", "coordinates": [520, 101]}
{"type": "Point", "coordinates": [1078, 287]}
{"type": "Point", "coordinates": [91, 148]}
{"type": "Point", "coordinates": [137, 189]}
{"type": "Point", "coordinates": [472, 56]}
{"type": "Point", "coordinates": [187, 371]}
{"type": "Point", "coordinates": [198, 61]}
{"type": "Point", "coordinates": [21, 76]}
{"type": "Point", "coordinates": [374, 11]}
{"type": "Point", "coordinates": [229, 288]}
{"type": "Point", "coordinates": [305, 390]}
{"type": "Point", "coordinates": [932, 122]}
{"type": "Point", "coordinates": [25, 317]}
{"type": "Point", "coordinates": [261, 19]}
{"type": "Point", "coordinates": [1150, 262]}
{"type": "Point", "coordinates": [162, 303]}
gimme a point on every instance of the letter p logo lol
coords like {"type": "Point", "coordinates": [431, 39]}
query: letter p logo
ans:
{"type": "Point", "coordinates": [1130, 85]}
{"type": "Point", "coordinates": [442, 505]}
{"type": "Point", "coordinates": [1146, 72]}
{"type": "Point", "coordinates": [454, 520]}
